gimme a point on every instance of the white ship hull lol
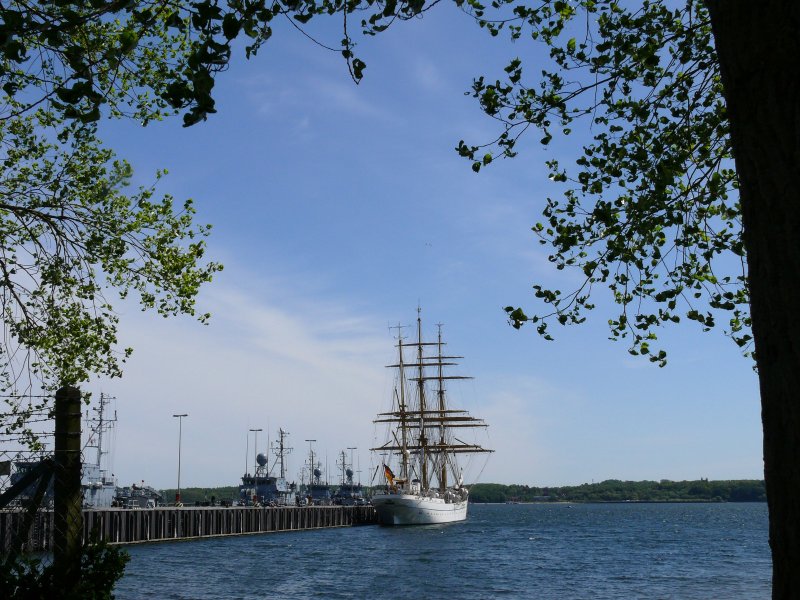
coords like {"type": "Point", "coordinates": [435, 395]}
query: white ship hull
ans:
{"type": "Point", "coordinates": [411, 509]}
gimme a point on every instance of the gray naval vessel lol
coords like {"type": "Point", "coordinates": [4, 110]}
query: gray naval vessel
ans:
{"type": "Point", "coordinates": [349, 493]}
{"type": "Point", "coordinates": [316, 490]}
{"type": "Point", "coordinates": [263, 488]}
{"type": "Point", "coordinates": [138, 495]}
{"type": "Point", "coordinates": [99, 487]}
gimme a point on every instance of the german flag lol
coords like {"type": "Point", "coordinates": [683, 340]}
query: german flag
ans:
{"type": "Point", "coordinates": [389, 475]}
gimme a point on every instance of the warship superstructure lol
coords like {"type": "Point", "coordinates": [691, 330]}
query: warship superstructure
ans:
{"type": "Point", "coordinates": [263, 488]}
{"type": "Point", "coordinates": [349, 492]}
{"type": "Point", "coordinates": [316, 490]}
{"type": "Point", "coordinates": [138, 495]}
{"type": "Point", "coordinates": [99, 487]}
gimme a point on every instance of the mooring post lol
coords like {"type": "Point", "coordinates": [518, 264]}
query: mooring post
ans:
{"type": "Point", "coordinates": [67, 500]}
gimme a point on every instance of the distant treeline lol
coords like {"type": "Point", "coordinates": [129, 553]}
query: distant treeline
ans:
{"type": "Point", "coordinates": [198, 494]}
{"type": "Point", "coordinates": [613, 490]}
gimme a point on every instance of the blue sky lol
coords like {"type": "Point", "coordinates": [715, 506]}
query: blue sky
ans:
{"type": "Point", "coordinates": [336, 210]}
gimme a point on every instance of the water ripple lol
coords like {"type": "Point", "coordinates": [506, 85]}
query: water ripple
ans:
{"type": "Point", "coordinates": [542, 551]}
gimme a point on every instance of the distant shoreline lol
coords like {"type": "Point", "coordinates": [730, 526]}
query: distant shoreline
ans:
{"type": "Point", "coordinates": [622, 492]}
{"type": "Point", "coordinates": [611, 491]}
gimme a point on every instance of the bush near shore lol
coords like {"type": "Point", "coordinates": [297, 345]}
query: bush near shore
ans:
{"type": "Point", "coordinates": [192, 495]}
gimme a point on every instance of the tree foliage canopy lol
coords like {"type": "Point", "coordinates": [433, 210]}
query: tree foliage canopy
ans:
{"type": "Point", "coordinates": [650, 209]}
{"type": "Point", "coordinates": [67, 232]}
{"type": "Point", "coordinates": [71, 225]}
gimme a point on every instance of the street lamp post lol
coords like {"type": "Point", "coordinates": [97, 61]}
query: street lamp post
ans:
{"type": "Point", "coordinates": [310, 462]}
{"type": "Point", "coordinates": [180, 432]}
{"type": "Point", "coordinates": [255, 442]}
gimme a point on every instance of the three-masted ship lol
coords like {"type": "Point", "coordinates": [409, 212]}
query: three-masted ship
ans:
{"type": "Point", "coordinates": [429, 486]}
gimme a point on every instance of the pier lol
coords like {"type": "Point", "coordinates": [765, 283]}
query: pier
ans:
{"type": "Point", "coordinates": [142, 525]}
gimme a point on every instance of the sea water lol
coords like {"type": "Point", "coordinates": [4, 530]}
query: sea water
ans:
{"type": "Point", "coordinates": [541, 551]}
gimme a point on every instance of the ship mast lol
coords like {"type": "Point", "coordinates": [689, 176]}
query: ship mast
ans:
{"type": "Point", "coordinates": [102, 425]}
{"type": "Point", "coordinates": [281, 451]}
{"type": "Point", "coordinates": [423, 440]}
{"type": "Point", "coordinates": [310, 463]}
{"type": "Point", "coordinates": [343, 464]}
{"type": "Point", "coordinates": [442, 407]}
{"type": "Point", "coordinates": [438, 451]}
{"type": "Point", "coordinates": [402, 406]}
{"type": "Point", "coordinates": [100, 428]}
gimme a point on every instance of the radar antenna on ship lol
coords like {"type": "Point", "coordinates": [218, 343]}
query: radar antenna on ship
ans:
{"type": "Point", "coordinates": [98, 425]}
{"type": "Point", "coordinates": [281, 451]}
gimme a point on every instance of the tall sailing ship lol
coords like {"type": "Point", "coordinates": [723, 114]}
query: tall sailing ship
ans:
{"type": "Point", "coordinates": [429, 486]}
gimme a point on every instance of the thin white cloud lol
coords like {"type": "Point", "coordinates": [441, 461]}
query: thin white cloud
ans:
{"type": "Point", "coordinates": [428, 75]}
{"type": "Point", "coordinates": [297, 100]}
{"type": "Point", "coordinates": [316, 371]}
{"type": "Point", "coordinates": [526, 417]}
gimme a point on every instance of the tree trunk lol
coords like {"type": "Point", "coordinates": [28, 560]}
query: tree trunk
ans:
{"type": "Point", "coordinates": [67, 514]}
{"type": "Point", "coordinates": [758, 44]}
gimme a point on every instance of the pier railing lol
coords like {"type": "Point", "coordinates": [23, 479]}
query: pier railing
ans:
{"type": "Point", "coordinates": [132, 526]}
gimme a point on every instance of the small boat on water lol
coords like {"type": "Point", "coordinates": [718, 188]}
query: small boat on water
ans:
{"type": "Point", "coordinates": [428, 487]}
